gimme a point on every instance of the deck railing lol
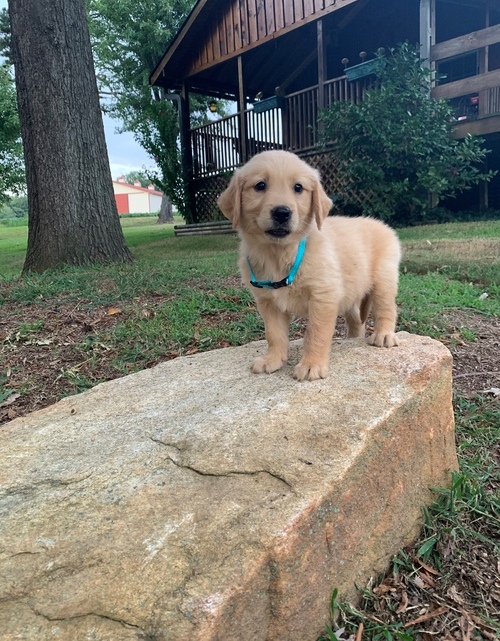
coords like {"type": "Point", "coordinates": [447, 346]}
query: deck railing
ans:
{"type": "Point", "coordinates": [216, 145]}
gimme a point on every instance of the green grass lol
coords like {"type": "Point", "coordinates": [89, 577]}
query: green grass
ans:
{"type": "Point", "coordinates": [452, 231]}
{"type": "Point", "coordinates": [198, 306]}
{"type": "Point", "coordinates": [183, 295]}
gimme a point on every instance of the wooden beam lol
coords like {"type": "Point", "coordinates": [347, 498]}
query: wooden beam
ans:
{"type": "Point", "coordinates": [467, 85]}
{"type": "Point", "coordinates": [199, 7]}
{"type": "Point", "coordinates": [479, 127]}
{"type": "Point", "coordinates": [298, 70]}
{"type": "Point", "coordinates": [464, 44]}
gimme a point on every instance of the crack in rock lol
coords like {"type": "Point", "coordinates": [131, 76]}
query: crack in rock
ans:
{"type": "Point", "coordinates": [131, 626]}
{"type": "Point", "coordinates": [229, 473]}
{"type": "Point", "coordinates": [225, 474]}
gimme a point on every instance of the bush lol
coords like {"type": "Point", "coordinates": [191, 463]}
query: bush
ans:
{"type": "Point", "coordinates": [397, 144]}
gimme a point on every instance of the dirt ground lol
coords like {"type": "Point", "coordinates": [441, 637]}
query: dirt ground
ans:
{"type": "Point", "coordinates": [43, 355]}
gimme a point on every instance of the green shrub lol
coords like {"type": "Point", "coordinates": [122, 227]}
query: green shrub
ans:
{"type": "Point", "coordinates": [397, 145]}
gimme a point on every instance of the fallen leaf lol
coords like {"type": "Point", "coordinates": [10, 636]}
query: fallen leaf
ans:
{"type": "Point", "coordinates": [112, 311]}
{"type": "Point", "coordinates": [383, 589]}
{"type": "Point", "coordinates": [426, 567]}
{"type": "Point", "coordinates": [428, 579]}
{"type": "Point", "coordinates": [404, 603]}
{"type": "Point", "coordinates": [455, 595]}
{"type": "Point", "coordinates": [466, 627]}
{"type": "Point", "coordinates": [10, 399]}
{"type": "Point", "coordinates": [417, 580]}
{"type": "Point", "coordinates": [427, 617]}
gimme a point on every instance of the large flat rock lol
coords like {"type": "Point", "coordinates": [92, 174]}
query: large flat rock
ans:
{"type": "Point", "coordinates": [196, 501]}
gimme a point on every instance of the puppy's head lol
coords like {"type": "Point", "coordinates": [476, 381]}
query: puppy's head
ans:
{"type": "Point", "coordinates": [276, 195]}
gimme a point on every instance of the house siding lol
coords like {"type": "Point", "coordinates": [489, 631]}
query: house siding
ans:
{"type": "Point", "coordinates": [246, 23]}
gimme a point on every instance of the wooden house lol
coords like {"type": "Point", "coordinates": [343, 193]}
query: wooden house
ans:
{"type": "Point", "coordinates": [281, 61]}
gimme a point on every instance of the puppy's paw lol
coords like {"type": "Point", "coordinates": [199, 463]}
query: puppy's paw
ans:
{"type": "Point", "coordinates": [383, 339]}
{"type": "Point", "coordinates": [309, 371]}
{"type": "Point", "coordinates": [266, 364]}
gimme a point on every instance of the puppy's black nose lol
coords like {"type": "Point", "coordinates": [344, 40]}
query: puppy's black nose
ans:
{"type": "Point", "coordinates": [281, 215]}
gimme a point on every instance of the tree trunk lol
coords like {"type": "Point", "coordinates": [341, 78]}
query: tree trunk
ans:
{"type": "Point", "coordinates": [166, 214]}
{"type": "Point", "coordinates": [72, 211]}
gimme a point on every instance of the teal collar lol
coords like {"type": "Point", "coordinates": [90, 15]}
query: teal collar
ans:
{"type": "Point", "coordinates": [288, 280]}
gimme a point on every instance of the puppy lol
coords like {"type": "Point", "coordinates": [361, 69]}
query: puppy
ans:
{"type": "Point", "coordinates": [297, 261]}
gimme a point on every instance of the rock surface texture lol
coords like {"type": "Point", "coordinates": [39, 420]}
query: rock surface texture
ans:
{"type": "Point", "coordinates": [196, 501]}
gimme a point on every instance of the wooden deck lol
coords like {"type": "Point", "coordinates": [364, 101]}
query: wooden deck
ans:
{"type": "Point", "coordinates": [216, 145]}
{"type": "Point", "coordinates": [219, 147]}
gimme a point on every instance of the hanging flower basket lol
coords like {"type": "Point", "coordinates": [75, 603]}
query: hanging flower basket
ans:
{"type": "Point", "coordinates": [274, 102]}
{"type": "Point", "coordinates": [363, 69]}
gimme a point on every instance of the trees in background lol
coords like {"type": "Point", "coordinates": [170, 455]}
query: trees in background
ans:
{"type": "Point", "coordinates": [72, 211]}
{"type": "Point", "coordinates": [397, 144]}
{"type": "Point", "coordinates": [12, 178]}
{"type": "Point", "coordinates": [129, 38]}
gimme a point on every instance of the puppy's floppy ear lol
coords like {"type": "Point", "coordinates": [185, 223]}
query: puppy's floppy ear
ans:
{"type": "Point", "coordinates": [230, 200]}
{"type": "Point", "coordinates": [321, 204]}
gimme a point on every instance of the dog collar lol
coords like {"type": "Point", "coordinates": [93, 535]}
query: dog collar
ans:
{"type": "Point", "coordinates": [288, 280]}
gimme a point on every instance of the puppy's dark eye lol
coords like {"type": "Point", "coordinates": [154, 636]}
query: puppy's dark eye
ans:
{"type": "Point", "coordinates": [260, 186]}
{"type": "Point", "coordinates": [297, 188]}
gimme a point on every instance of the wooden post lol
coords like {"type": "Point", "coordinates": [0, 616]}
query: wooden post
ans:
{"type": "Point", "coordinates": [186, 150]}
{"type": "Point", "coordinates": [484, 68]}
{"type": "Point", "coordinates": [242, 103]}
{"type": "Point", "coordinates": [427, 39]}
{"type": "Point", "coordinates": [321, 66]}
{"type": "Point", "coordinates": [427, 29]}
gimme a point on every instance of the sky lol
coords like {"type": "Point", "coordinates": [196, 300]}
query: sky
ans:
{"type": "Point", "coordinates": [124, 153]}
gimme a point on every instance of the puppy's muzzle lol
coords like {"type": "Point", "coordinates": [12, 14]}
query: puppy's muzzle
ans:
{"type": "Point", "coordinates": [280, 217]}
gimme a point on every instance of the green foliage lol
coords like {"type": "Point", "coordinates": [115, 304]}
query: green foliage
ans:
{"type": "Point", "coordinates": [141, 176]}
{"type": "Point", "coordinates": [16, 207]}
{"type": "Point", "coordinates": [397, 143]}
{"type": "Point", "coordinates": [5, 36]}
{"type": "Point", "coordinates": [129, 39]}
{"type": "Point", "coordinates": [12, 179]}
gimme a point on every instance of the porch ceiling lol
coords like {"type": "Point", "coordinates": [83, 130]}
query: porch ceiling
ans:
{"type": "Point", "coordinates": [288, 61]}
{"type": "Point", "coordinates": [265, 66]}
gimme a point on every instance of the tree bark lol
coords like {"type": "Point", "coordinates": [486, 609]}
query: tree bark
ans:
{"type": "Point", "coordinates": [166, 214]}
{"type": "Point", "coordinates": [72, 211]}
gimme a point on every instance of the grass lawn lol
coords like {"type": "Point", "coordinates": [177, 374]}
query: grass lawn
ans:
{"type": "Point", "coordinates": [79, 326]}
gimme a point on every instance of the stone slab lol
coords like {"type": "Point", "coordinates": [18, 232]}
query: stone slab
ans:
{"type": "Point", "coordinates": [195, 501]}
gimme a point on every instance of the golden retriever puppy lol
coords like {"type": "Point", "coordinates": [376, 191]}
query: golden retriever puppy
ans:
{"type": "Point", "coordinates": [297, 261]}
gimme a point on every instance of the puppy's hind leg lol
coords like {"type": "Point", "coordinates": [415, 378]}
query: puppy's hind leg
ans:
{"type": "Point", "coordinates": [355, 318]}
{"type": "Point", "coordinates": [277, 324]}
{"type": "Point", "coordinates": [384, 311]}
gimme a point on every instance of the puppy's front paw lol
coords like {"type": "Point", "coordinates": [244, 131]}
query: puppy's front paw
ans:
{"type": "Point", "coordinates": [267, 364]}
{"type": "Point", "coordinates": [309, 371]}
{"type": "Point", "coordinates": [383, 339]}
